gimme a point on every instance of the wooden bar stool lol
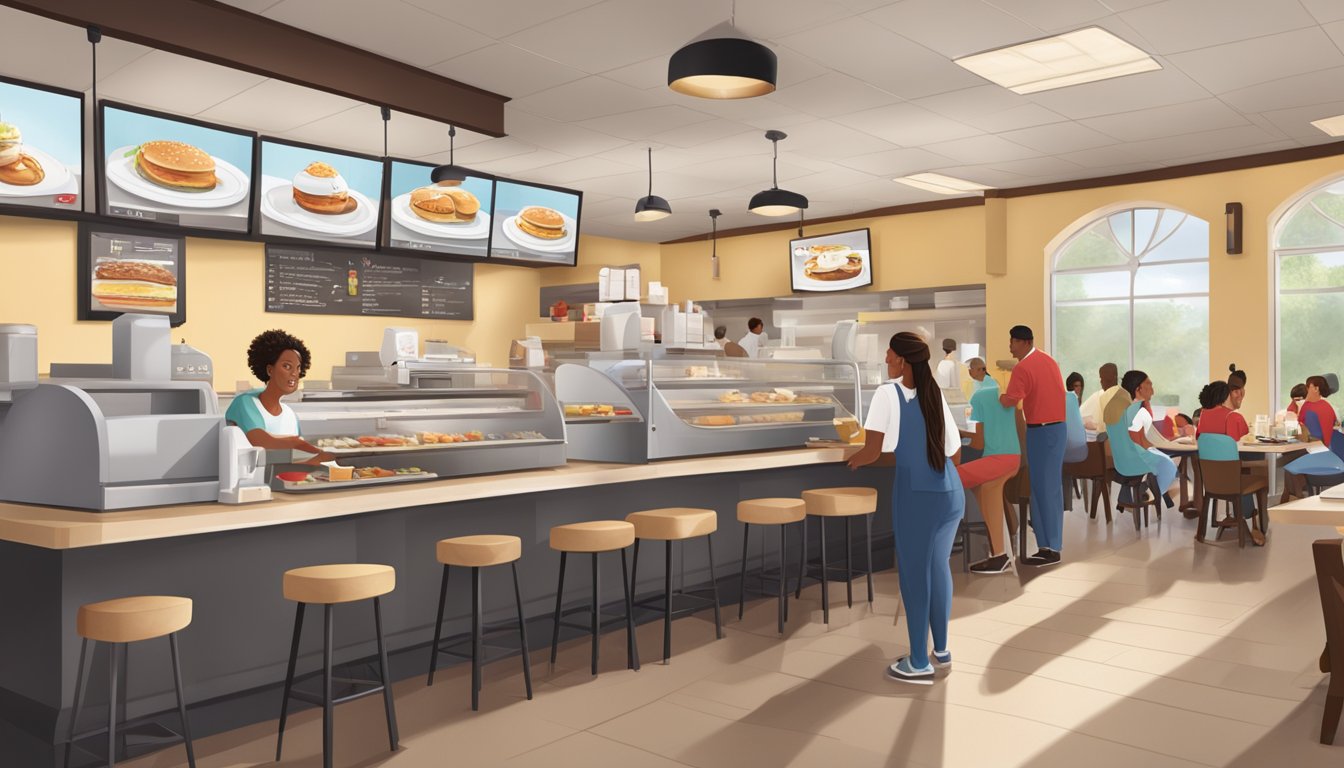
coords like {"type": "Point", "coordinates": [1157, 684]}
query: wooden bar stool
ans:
{"type": "Point", "coordinates": [594, 537]}
{"type": "Point", "coordinates": [847, 503]}
{"type": "Point", "coordinates": [669, 525]}
{"type": "Point", "coordinates": [477, 552]}
{"type": "Point", "coordinates": [328, 585]}
{"type": "Point", "coordinates": [780, 512]}
{"type": "Point", "coordinates": [118, 623]}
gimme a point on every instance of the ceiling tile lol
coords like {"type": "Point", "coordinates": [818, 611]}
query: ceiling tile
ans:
{"type": "Point", "coordinates": [1176, 150]}
{"type": "Point", "coordinates": [644, 75]}
{"type": "Point", "coordinates": [507, 70]}
{"type": "Point", "coordinates": [486, 151]}
{"type": "Point", "coordinates": [584, 39]}
{"type": "Point", "coordinates": [907, 125]}
{"type": "Point", "coordinates": [989, 175]}
{"type": "Point", "coordinates": [764, 112]}
{"type": "Point", "coordinates": [501, 19]}
{"type": "Point", "coordinates": [1295, 91]}
{"type": "Point", "coordinates": [1336, 31]}
{"type": "Point", "coordinates": [982, 149]}
{"type": "Point", "coordinates": [415, 136]}
{"type": "Point", "coordinates": [521, 165]}
{"type": "Point", "coordinates": [46, 51]}
{"type": "Point", "coordinates": [1230, 66]}
{"type": "Point", "coordinates": [1255, 149]}
{"type": "Point", "coordinates": [1324, 11]}
{"type": "Point", "coordinates": [701, 133]}
{"type": "Point", "coordinates": [1041, 166]}
{"type": "Point", "coordinates": [1296, 122]}
{"type": "Point", "coordinates": [990, 108]}
{"type": "Point", "coordinates": [739, 170]}
{"type": "Point", "coordinates": [836, 178]}
{"type": "Point", "coordinates": [400, 31]}
{"type": "Point", "coordinates": [1103, 157]}
{"type": "Point", "coordinates": [1024, 116]}
{"type": "Point", "coordinates": [1057, 138]}
{"type": "Point", "coordinates": [572, 171]}
{"type": "Point", "coordinates": [665, 158]}
{"type": "Point", "coordinates": [175, 83]}
{"type": "Point", "coordinates": [274, 106]}
{"type": "Point", "coordinates": [251, 6]}
{"type": "Point", "coordinates": [561, 137]}
{"type": "Point", "coordinates": [953, 27]}
{"type": "Point", "coordinates": [830, 139]}
{"type": "Point", "coordinates": [1122, 94]}
{"type": "Point", "coordinates": [642, 123]}
{"type": "Point", "coordinates": [584, 99]}
{"type": "Point", "coordinates": [1053, 15]}
{"type": "Point", "coordinates": [833, 94]}
{"type": "Point", "coordinates": [1175, 119]}
{"type": "Point", "coordinates": [358, 129]}
{"type": "Point", "coordinates": [1186, 25]}
{"type": "Point", "coordinates": [896, 162]}
{"type": "Point", "coordinates": [769, 19]}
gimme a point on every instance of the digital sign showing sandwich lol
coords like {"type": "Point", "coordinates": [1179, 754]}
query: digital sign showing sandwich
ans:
{"type": "Point", "coordinates": [314, 194]}
{"type": "Point", "coordinates": [123, 270]}
{"type": "Point", "coordinates": [174, 170]}
{"type": "Point", "coordinates": [41, 146]}
{"type": "Point", "coordinates": [835, 262]}
{"type": "Point", "coordinates": [535, 223]}
{"type": "Point", "coordinates": [451, 217]}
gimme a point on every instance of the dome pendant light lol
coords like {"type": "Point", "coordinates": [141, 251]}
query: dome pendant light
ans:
{"type": "Point", "coordinates": [723, 67]}
{"type": "Point", "coordinates": [651, 207]}
{"type": "Point", "coordinates": [775, 201]}
{"type": "Point", "coordinates": [449, 175]}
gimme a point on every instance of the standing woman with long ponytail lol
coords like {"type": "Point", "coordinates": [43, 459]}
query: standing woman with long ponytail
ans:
{"type": "Point", "coordinates": [910, 418]}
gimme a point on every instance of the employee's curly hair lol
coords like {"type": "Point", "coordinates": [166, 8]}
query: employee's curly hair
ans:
{"type": "Point", "coordinates": [265, 350]}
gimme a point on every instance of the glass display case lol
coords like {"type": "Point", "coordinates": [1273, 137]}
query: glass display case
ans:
{"type": "Point", "coordinates": [488, 420]}
{"type": "Point", "coordinates": [641, 410]}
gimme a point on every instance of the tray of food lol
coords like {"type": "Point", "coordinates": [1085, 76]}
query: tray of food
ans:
{"type": "Point", "coordinates": [366, 444]}
{"type": "Point", "coordinates": [595, 411]}
{"type": "Point", "coordinates": [334, 478]}
{"type": "Point", "coordinates": [727, 420]}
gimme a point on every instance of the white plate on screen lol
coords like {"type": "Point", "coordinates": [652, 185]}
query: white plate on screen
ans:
{"type": "Point", "coordinates": [521, 238]}
{"type": "Point", "coordinates": [859, 280]}
{"type": "Point", "coordinates": [277, 204]}
{"type": "Point", "coordinates": [478, 229]}
{"type": "Point", "coordinates": [233, 184]}
{"type": "Point", "coordinates": [55, 182]}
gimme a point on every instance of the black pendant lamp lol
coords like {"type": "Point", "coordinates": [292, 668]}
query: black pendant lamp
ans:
{"type": "Point", "coordinates": [651, 207]}
{"type": "Point", "coordinates": [449, 175]}
{"type": "Point", "coordinates": [723, 67]}
{"type": "Point", "coordinates": [775, 201]}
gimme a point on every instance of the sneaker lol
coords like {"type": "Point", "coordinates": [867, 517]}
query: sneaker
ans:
{"type": "Point", "coordinates": [903, 672]}
{"type": "Point", "coordinates": [996, 564]}
{"type": "Point", "coordinates": [941, 659]}
{"type": "Point", "coordinates": [1042, 558]}
{"type": "Point", "coordinates": [1166, 499]}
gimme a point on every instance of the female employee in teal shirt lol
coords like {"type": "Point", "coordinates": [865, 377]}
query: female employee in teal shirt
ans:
{"type": "Point", "coordinates": [279, 360]}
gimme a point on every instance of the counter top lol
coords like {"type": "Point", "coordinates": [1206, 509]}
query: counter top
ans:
{"type": "Point", "coordinates": [55, 528]}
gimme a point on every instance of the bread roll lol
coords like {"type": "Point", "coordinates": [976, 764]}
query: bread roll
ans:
{"type": "Point", "coordinates": [714, 421]}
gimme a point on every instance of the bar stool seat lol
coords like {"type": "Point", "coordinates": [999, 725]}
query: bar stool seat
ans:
{"type": "Point", "coordinates": [594, 537]}
{"type": "Point", "coordinates": [477, 552]}
{"type": "Point", "coordinates": [769, 511]}
{"type": "Point", "coordinates": [846, 503]}
{"type": "Point", "coordinates": [668, 525]}
{"type": "Point", "coordinates": [131, 619]}
{"type": "Point", "coordinates": [345, 583]}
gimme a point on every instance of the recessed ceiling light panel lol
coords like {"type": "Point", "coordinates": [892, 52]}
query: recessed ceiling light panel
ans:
{"type": "Point", "coordinates": [943, 185]}
{"type": "Point", "coordinates": [1082, 56]}
{"type": "Point", "coordinates": [1331, 126]}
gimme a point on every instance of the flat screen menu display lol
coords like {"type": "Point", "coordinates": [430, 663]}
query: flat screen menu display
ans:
{"type": "Point", "coordinates": [172, 170]}
{"type": "Point", "coordinates": [318, 281]}
{"type": "Point", "coordinates": [451, 219]}
{"type": "Point", "coordinates": [128, 271]}
{"type": "Point", "coordinates": [834, 262]}
{"type": "Point", "coordinates": [315, 194]}
{"type": "Point", "coordinates": [41, 146]}
{"type": "Point", "coordinates": [535, 223]}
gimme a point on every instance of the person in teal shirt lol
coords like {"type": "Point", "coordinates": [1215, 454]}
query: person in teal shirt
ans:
{"type": "Point", "coordinates": [280, 360]}
{"type": "Point", "coordinates": [995, 434]}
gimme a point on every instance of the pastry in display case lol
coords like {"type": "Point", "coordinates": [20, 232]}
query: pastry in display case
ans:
{"type": "Point", "coordinates": [683, 406]}
{"type": "Point", "coordinates": [488, 420]}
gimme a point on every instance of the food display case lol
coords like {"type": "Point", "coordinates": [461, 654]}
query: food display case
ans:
{"type": "Point", "coordinates": [642, 410]}
{"type": "Point", "coordinates": [487, 420]}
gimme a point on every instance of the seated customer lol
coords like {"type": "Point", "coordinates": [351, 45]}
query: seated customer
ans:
{"type": "Point", "coordinates": [1094, 406]}
{"type": "Point", "coordinates": [1074, 384]}
{"type": "Point", "coordinates": [1216, 416]}
{"type": "Point", "coordinates": [995, 435]}
{"type": "Point", "coordinates": [1296, 396]}
{"type": "Point", "coordinates": [1140, 389]}
{"type": "Point", "coordinates": [279, 360]}
{"type": "Point", "coordinates": [1318, 410]}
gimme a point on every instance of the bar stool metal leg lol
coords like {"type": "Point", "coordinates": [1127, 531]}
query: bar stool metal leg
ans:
{"type": "Point", "coordinates": [328, 640]}
{"type": "Point", "coordinates": [742, 578]}
{"type": "Point", "coordinates": [438, 628]}
{"type": "Point", "coordinates": [667, 603]}
{"type": "Point", "coordinates": [849, 566]}
{"type": "Point", "coordinates": [80, 673]}
{"type": "Point", "coordinates": [522, 632]}
{"type": "Point", "coordinates": [289, 679]}
{"type": "Point", "coordinates": [714, 584]}
{"type": "Point", "coordinates": [111, 704]}
{"type": "Point", "coordinates": [475, 639]}
{"type": "Point", "coordinates": [597, 613]}
{"type": "Point", "coordinates": [559, 597]}
{"type": "Point", "coordinates": [783, 572]}
{"type": "Point", "coordinates": [825, 590]}
{"type": "Point", "coordinates": [868, 523]}
{"type": "Point", "coordinates": [181, 701]}
{"type": "Point", "coordinates": [634, 570]}
{"type": "Point", "coordinates": [385, 676]}
{"type": "Point", "coordinates": [802, 564]}
{"type": "Point", "coordinates": [631, 645]}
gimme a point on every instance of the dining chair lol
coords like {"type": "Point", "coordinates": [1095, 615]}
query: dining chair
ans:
{"type": "Point", "coordinates": [1223, 480]}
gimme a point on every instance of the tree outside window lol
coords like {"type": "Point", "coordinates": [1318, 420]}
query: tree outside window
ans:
{"type": "Point", "coordinates": [1309, 256]}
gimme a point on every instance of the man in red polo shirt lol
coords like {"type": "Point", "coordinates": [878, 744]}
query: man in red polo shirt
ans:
{"type": "Point", "coordinates": [1037, 384]}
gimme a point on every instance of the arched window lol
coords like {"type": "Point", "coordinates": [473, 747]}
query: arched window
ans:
{"type": "Point", "coordinates": [1132, 288]}
{"type": "Point", "coordinates": [1309, 279]}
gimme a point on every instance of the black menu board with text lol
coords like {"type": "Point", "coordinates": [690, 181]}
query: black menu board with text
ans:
{"type": "Point", "coordinates": [318, 281]}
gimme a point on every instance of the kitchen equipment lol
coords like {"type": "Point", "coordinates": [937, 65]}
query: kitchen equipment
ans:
{"type": "Point", "coordinates": [399, 344]}
{"type": "Point", "coordinates": [242, 469]}
{"type": "Point", "coordinates": [18, 357]}
{"type": "Point", "coordinates": [191, 364]}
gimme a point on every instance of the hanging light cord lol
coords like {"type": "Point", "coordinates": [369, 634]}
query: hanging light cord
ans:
{"type": "Point", "coordinates": [774, 164]}
{"type": "Point", "coordinates": [452, 142]}
{"type": "Point", "coordinates": [95, 35]}
{"type": "Point", "coordinates": [650, 171]}
{"type": "Point", "coordinates": [387, 117]}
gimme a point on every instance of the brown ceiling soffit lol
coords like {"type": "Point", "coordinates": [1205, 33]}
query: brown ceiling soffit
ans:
{"type": "Point", "coordinates": [1296, 154]}
{"type": "Point", "coordinates": [792, 224]}
{"type": "Point", "coordinates": [222, 34]}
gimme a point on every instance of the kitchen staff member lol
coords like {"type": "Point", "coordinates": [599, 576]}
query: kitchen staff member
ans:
{"type": "Point", "coordinates": [910, 418]}
{"type": "Point", "coordinates": [755, 338]}
{"type": "Point", "coordinates": [949, 370]}
{"type": "Point", "coordinates": [279, 360]}
{"type": "Point", "coordinates": [1038, 385]}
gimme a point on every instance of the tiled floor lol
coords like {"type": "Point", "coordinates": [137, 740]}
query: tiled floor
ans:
{"type": "Point", "coordinates": [1139, 650]}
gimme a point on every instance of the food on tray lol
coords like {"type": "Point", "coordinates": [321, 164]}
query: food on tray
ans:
{"type": "Point", "coordinates": [134, 284]}
{"type": "Point", "coordinates": [541, 222]}
{"type": "Point", "coordinates": [367, 473]}
{"type": "Point", "coordinates": [320, 188]}
{"type": "Point", "coordinates": [527, 434]}
{"type": "Point", "coordinates": [176, 165]}
{"type": "Point", "coordinates": [591, 409]}
{"type": "Point", "coordinates": [716, 420]}
{"type": "Point", "coordinates": [335, 473]}
{"type": "Point", "coordinates": [337, 442]}
{"type": "Point", "coordinates": [17, 168]}
{"type": "Point", "coordinates": [419, 439]}
{"type": "Point", "coordinates": [771, 418]}
{"type": "Point", "coordinates": [830, 261]}
{"type": "Point", "coordinates": [812, 399]}
{"type": "Point", "coordinates": [444, 204]}
{"type": "Point", "coordinates": [732, 396]}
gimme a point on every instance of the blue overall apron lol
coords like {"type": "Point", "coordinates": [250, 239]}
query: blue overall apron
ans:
{"type": "Point", "coordinates": [927, 506]}
{"type": "Point", "coordinates": [1159, 463]}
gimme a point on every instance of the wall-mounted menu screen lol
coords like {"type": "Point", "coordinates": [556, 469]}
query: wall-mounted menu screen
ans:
{"type": "Point", "coordinates": [318, 281]}
{"type": "Point", "coordinates": [41, 146]}
{"type": "Point", "coordinates": [451, 219]}
{"type": "Point", "coordinates": [315, 194]}
{"type": "Point", "coordinates": [172, 170]}
{"type": "Point", "coordinates": [124, 270]}
{"type": "Point", "coordinates": [535, 224]}
{"type": "Point", "coordinates": [834, 262]}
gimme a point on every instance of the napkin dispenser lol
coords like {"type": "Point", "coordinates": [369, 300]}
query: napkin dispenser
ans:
{"type": "Point", "coordinates": [242, 469]}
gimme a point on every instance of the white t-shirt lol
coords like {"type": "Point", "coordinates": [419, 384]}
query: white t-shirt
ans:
{"type": "Point", "coordinates": [1143, 421]}
{"type": "Point", "coordinates": [752, 342]}
{"type": "Point", "coordinates": [884, 415]}
{"type": "Point", "coordinates": [949, 376]}
{"type": "Point", "coordinates": [284, 425]}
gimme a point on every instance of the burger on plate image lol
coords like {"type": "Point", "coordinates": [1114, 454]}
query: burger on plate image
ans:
{"type": "Point", "coordinates": [176, 165]}
{"type": "Point", "coordinates": [830, 262]}
{"type": "Point", "coordinates": [17, 168]}
{"type": "Point", "coordinates": [452, 205]}
{"type": "Point", "coordinates": [130, 284]}
{"type": "Point", "coordinates": [320, 188]}
{"type": "Point", "coordinates": [544, 223]}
